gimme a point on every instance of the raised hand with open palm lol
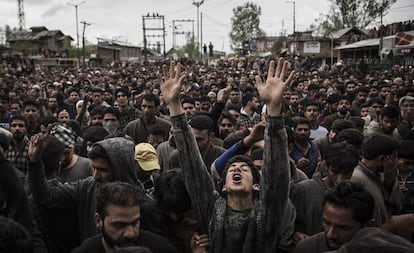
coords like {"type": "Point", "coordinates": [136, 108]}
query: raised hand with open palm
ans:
{"type": "Point", "coordinates": [271, 92]}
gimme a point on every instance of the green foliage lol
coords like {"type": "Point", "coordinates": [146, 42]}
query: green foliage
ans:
{"type": "Point", "coordinates": [245, 24]}
{"type": "Point", "coordinates": [189, 50]}
{"type": "Point", "coordinates": [350, 13]}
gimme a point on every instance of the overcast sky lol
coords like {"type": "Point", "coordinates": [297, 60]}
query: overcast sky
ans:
{"type": "Point", "coordinates": [122, 19]}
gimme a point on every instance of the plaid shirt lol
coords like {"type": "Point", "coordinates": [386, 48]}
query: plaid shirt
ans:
{"type": "Point", "coordinates": [248, 122]}
{"type": "Point", "coordinates": [17, 155]}
{"type": "Point", "coordinates": [126, 117]}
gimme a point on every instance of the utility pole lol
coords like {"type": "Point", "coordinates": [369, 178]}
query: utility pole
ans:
{"type": "Point", "coordinates": [179, 29]}
{"type": "Point", "coordinates": [77, 29]}
{"type": "Point", "coordinates": [20, 14]}
{"type": "Point", "coordinates": [294, 15]}
{"type": "Point", "coordinates": [201, 36]}
{"type": "Point", "coordinates": [83, 41]}
{"type": "Point", "coordinates": [198, 4]}
{"type": "Point", "coordinates": [381, 35]}
{"type": "Point", "coordinates": [153, 29]}
{"type": "Point", "coordinates": [294, 24]}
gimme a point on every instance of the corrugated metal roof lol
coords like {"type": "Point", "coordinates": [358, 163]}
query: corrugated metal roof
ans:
{"type": "Point", "coordinates": [26, 35]}
{"type": "Point", "coordinates": [362, 43]}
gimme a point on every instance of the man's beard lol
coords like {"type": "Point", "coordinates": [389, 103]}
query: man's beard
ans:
{"type": "Point", "coordinates": [18, 136]}
{"type": "Point", "coordinates": [121, 242]}
{"type": "Point", "coordinates": [302, 139]}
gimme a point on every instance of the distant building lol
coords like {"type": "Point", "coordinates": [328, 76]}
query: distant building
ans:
{"type": "Point", "coordinates": [41, 41]}
{"type": "Point", "coordinates": [113, 51]}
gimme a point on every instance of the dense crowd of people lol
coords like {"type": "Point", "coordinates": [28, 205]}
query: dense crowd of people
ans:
{"type": "Point", "coordinates": [246, 155]}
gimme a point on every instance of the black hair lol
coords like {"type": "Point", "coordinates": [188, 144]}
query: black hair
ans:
{"type": "Point", "coordinates": [233, 107]}
{"type": "Point", "coordinates": [112, 110]}
{"type": "Point", "coordinates": [342, 157]}
{"type": "Point", "coordinates": [31, 102]}
{"type": "Point", "coordinates": [188, 100]}
{"type": "Point", "coordinates": [406, 149]}
{"type": "Point", "coordinates": [117, 194]}
{"type": "Point", "coordinates": [390, 111]}
{"type": "Point", "coordinates": [94, 133]}
{"type": "Point", "coordinates": [97, 110]}
{"type": "Point", "coordinates": [376, 145]}
{"type": "Point", "coordinates": [352, 136]}
{"type": "Point", "coordinates": [300, 120]}
{"type": "Point", "coordinates": [246, 98]}
{"type": "Point", "coordinates": [158, 130]}
{"type": "Point", "coordinates": [171, 193]}
{"type": "Point", "coordinates": [123, 90]}
{"type": "Point", "coordinates": [98, 151]}
{"type": "Point", "coordinates": [240, 158]}
{"type": "Point", "coordinates": [50, 156]}
{"type": "Point", "coordinates": [311, 102]}
{"type": "Point", "coordinates": [48, 120]}
{"type": "Point", "coordinates": [18, 117]}
{"type": "Point", "coordinates": [202, 122]}
{"type": "Point", "coordinates": [352, 196]}
{"type": "Point", "coordinates": [151, 98]}
{"type": "Point", "coordinates": [340, 124]}
{"type": "Point", "coordinates": [73, 89]}
{"type": "Point", "coordinates": [376, 100]}
{"type": "Point", "coordinates": [229, 116]}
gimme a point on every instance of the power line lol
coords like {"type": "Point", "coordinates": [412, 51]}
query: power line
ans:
{"type": "Point", "coordinates": [401, 7]}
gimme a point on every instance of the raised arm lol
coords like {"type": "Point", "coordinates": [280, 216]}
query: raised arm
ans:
{"type": "Point", "coordinates": [199, 184]}
{"type": "Point", "coordinates": [61, 195]}
{"type": "Point", "coordinates": [274, 184]}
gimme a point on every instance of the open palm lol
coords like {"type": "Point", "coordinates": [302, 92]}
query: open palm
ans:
{"type": "Point", "coordinates": [271, 92]}
{"type": "Point", "coordinates": [171, 88]}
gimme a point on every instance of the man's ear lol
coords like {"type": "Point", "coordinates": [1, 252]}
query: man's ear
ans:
{"type": "Point", "coordinates": [211, 135]}
{"type": "Point", "coordinates": [256, 187]}
{"type": "Point", "coordinates": [98, 221]}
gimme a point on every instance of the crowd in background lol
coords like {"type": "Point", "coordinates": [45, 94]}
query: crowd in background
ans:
{"type": "Point", "coordinates": [342, 127]}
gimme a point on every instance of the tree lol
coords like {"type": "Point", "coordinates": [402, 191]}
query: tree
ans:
{"type": "Point", "coordinates": [189, 50]}
{"type": "Point", "coordinates": [350, 13]}
{"type": "Point", "coordinates": [245, 24]}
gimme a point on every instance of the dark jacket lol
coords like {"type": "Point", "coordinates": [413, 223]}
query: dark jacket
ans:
{"type": "Point", "coordinates": [14, 203]}
{"type": "Point", "coordinates": [80, 195]}
{"type": "Point", "coordinates": [153, 242]}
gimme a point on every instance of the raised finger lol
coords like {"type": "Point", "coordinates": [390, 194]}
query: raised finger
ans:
{"type": "Point", "coordinates": [284, 71]}
{"type": "Point", "coordinates": [178, 72]}
{"type": "Point", "coordinates": [259, 82]}
{"type": "Point", "coordinates": [172, 66]}
{"type": "Point", "coordinates": [279, 67]}
{"type": "Point", "coordinates": [165, 72]}
{"type": "Point", "coordinates": [290, 78]}
{"type": "Point", "coordinates": [271, 71]}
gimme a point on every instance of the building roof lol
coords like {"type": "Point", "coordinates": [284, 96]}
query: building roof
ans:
{"type": "Point", "coordinates": [37, 34]}
{"type": "Point", "coordinates": [361, 44]}
{"type": "Point", "coordinates": [338, 34]}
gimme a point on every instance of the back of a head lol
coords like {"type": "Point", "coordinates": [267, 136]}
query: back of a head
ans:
{"type": "Point", "coordinates": [352, 136]}
{"type": "Point", "coordinates": [376, 145]}
{"type": "Point", "coordinates": [351, 195]}
{"type": "Point", "coordinates": [390, 111]}
{"type": "Point", "coordinates": [342, 157]}
{"type": "Point", "coordinates": [51, 154]}
{"type": "Point", "coordinates": [171, 193]}
{"type": "Point", "coordinates": [406, 150]}
{"type": "Point", "coordinates": [5, 138]}
{"type": "Point", "coordinates": [341, 124]}
{"type": "Point", "coordinates": [202, 122]}
{"type": "Point", "coordinates": [94, 133]}
{"type": "Point", "coordinates": [118, 194]}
